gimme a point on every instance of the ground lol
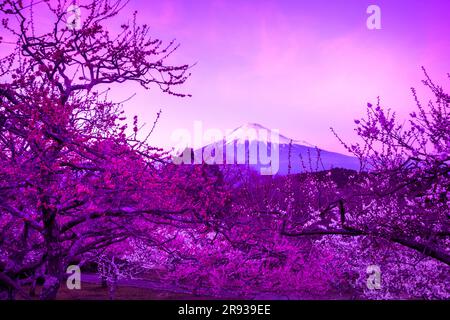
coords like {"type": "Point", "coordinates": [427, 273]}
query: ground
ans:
{"type": "Point", "coordinates": [90, 291]}
{"type": "Point", "coordinates": [93, 291]}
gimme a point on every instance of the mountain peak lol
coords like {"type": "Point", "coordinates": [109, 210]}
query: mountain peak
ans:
{"type": "Point", "coordinates": [252, 125]}
{"type": "Point", "coordinates": [251, 131]}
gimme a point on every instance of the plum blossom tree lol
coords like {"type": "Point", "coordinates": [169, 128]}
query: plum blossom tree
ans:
{"type": "Point", "coordinates": [72, 179]}
{"type": "Point", "coordinates": [409, 175]}
{"type": "Point", "coordinates": [401, 195]}
{"type": "Point", "coordinates": [397, 207]}
{"type": "Point", "coordinates": [396, 210]}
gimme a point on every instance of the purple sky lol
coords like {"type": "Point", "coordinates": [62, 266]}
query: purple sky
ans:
{"type": "Point", "coordinates": [297, 66]}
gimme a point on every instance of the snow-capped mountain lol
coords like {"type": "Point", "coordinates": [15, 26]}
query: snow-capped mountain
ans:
{"type": "Point", "coordinates": [270, 152]}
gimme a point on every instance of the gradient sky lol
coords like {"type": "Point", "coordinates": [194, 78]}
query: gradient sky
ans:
{"type": "Point", "coordinates": [297, 66]}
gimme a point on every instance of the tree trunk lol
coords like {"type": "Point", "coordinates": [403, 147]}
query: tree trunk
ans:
{"type": "Point", "coordinates": [50, 288]}
{"type": "Point", "coordinates": [54, 271]}
{"type": "Point", "coordinates": [104, 282]}
{"type": "Point", "coordinates": [54, 274]}
{"type": "Point", "coordinates": [112, 288]}
{"type": "Point", "coordinates": [32, 291]}
{"type": "Point", "coordinates": [11, 294]}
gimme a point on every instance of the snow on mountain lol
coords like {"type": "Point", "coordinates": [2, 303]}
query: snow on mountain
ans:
{"type": "Point", "coordinates": [257, 132]}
